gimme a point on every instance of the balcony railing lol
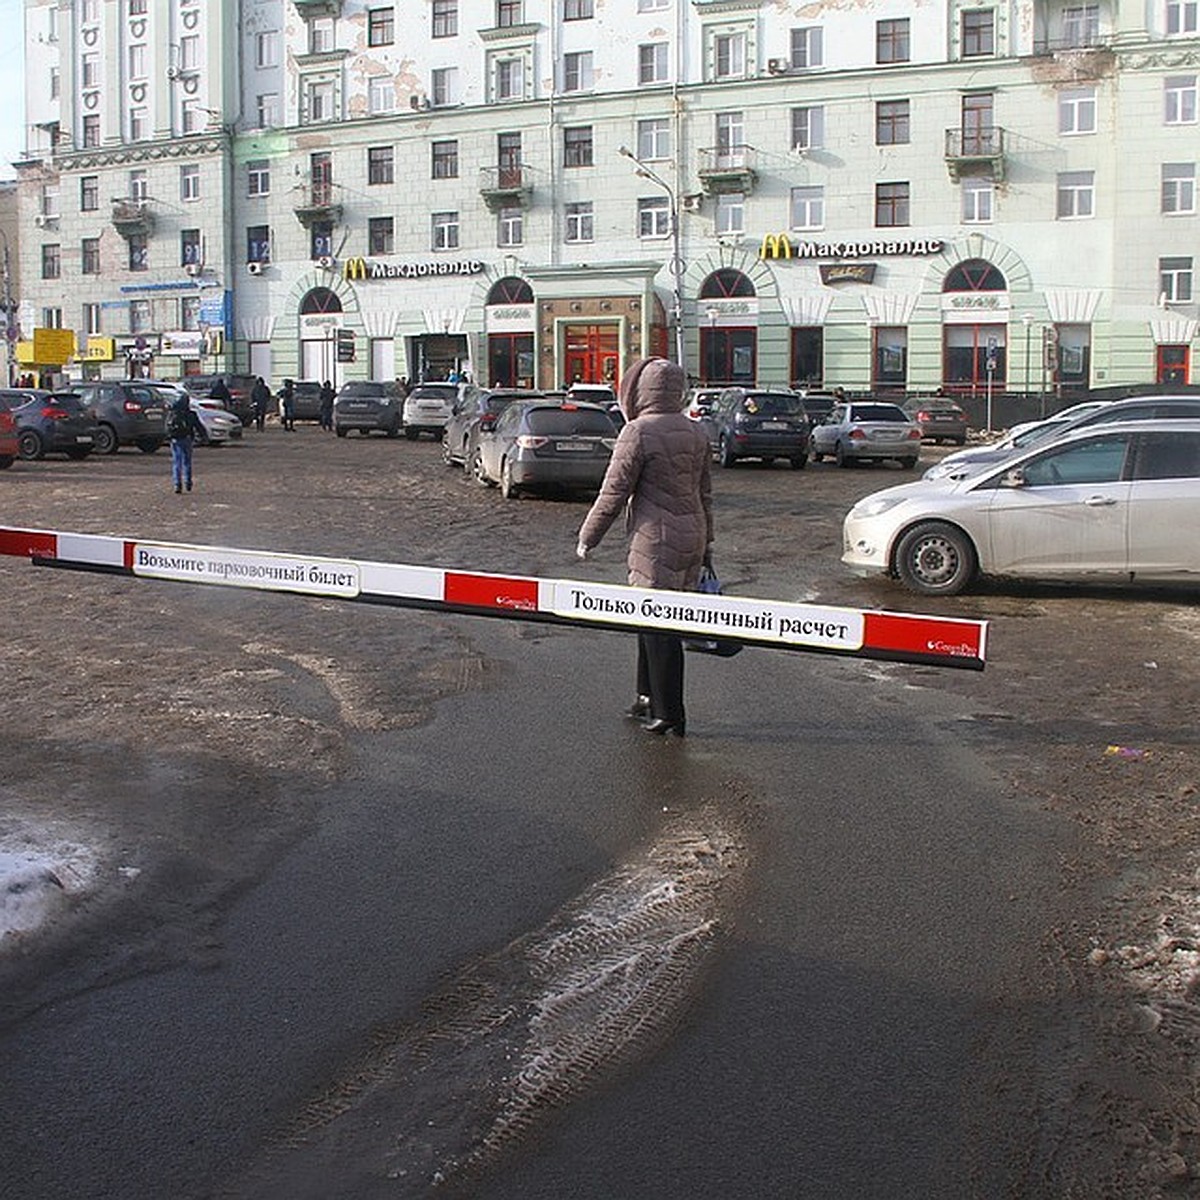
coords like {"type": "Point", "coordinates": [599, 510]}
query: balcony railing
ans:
{"type": "Point", "coordinates": [505, 187]}
{"type": "Point", "coordinates": [975, 151]}
{"type": "Point", "coordinates": [725, 169]}
{"type": "Point", "coordinates": [1063, 43]}
{"type": "Point", "coordinates": [317, 203]}
{"type": "Point", "coordinates": [132, 218]}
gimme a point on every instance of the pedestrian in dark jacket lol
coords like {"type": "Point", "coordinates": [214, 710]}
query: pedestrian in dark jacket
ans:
{"type": "Point", "coordinates": [260, 395]}
{"type": "Point", "coordinates": [660, 471]}
{"type": "Point", "coordinates": [327, 398]}
{"type": "Point", "coordinates": [287, 401]}
{"type": "Point", "coordinates": [183, 426]}
{"type": "Point", "coordinates": [220, 392]}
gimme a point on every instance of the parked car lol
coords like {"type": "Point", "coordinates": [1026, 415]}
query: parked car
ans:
{"type": "Point", "coordinates": [536, 444]}
{"type": "Point", "coordinates": [470, 409]}
{"type": "Point", "coordinates": [818, 404]}
{"type": "Point", "coordinates": [8, 434]}
{"type": "Point", "coordinates": [1103, 502]}
{"type": "Point", "coordinates": [700, 401]}
{"type": "Point", "coordinates": [758, 423]}
{"type": "Point", "coordinates": [867, 430]}
{"type": "Point", "coordinates": [306, 404]}
{"type": "Point", "coordinates": [1065, 414]}
{"type": "Point", "coordinates": [239, 387]}
{"type": "Point", "coordinates": [52, 423]}
{"type": "Point", "coordinates": [129, 412]}
{"type": "Point", "coordinates": [220, 425]}
{"type": "Point", "coordinates": [602, 394]}
{"type": "Point", "coordinates": [428, 406]}
{"type": "Point", "coordinates": [940, 420]}
{"type": "Point", "coordinates": [367, 405]}
{"type": "Point", "coordinates": [980, 458]}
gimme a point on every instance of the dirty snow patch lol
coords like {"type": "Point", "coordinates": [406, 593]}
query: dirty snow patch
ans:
{"type": "Point", "coordinates": [37, 883]}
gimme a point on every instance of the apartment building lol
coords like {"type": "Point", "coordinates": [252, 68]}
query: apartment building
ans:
{"type": "Point", "coordinates": [966, 195]}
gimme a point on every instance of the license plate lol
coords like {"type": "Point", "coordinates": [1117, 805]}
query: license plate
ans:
{"type": "Point", "coordinates": [888, 435]}
{"type": "Point", "coordinates": [773, 425]}
{"type": "Point", "coordinates": [152, 414]}
{"type": "Point", "coordinates": [573, 446]}
{"type": "Point", "coordinates": [84, 439]}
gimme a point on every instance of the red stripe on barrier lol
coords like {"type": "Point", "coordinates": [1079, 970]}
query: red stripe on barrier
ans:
{"type": "Point", "coordinates": [490, 591]}
{"type": "Point", "coordinates": [28, 543]}
{"type": "Point", "coordinates": [912, 634]}
{"type": "Point", "coordinates": [129, 555]}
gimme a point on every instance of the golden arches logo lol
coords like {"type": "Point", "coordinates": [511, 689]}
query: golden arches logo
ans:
{"type": "Point", "coordinates": [355, 268]}
{"type": "Point", "coordinates": [775, 245]}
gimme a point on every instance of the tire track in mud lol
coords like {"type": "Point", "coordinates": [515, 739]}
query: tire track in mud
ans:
{"type": "Point", "coordinates": [432, 1104]}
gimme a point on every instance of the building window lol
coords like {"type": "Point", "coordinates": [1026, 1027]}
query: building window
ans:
{"type": "Point", "coordinates": [978, 33]}
{"type": "Point", "coordinates": [729, 56]}
{"type": "Point", "coordinates": [1077, 110]}
{"type": "Point", "coordinates": [89, 12]}
{"type": "Point", "coordinates": [1181, 17]}
{"type": "Point", "coordinates": [321, 99]}
{"type": "Point", "coordinates": [266, 107]}
{"type": "Point", "coordinates": [189, 53]}
{"type": "Point", "coordinates": [510, 79]}
{"type": "Point", "coordinates": [137, 61]}
{"type": "Point", "coordinates": [653, 5]}
{"type": "Point", "coordinates": [577, 10]}
{"type": "Point", "coordinates": [1175, 280]}
{"type": "Point", "coordinates": [652, 62]}
{"type": "Point", "coordinates": [137, 8]}
{"type": "Point", "coordinates": [189, 312]}
{"type": "Point", "coordinates": [508, 14]}
{"type": "Point", "coordinates": [445, 231]}
{"type": "Point", "coordinates": [445, 160]}
{"type": "Point", "coordinates": [138, 124]}
{"type": "Point", "coordinates": [977, 194]}
{"type": "Point", "coordinates": [190, 252]}
{"type": "Point", "coordinates": [89, 257]}
{"type": "Point", "coordinates": [258, 177]}
{"type": "Point", "coordinates": [730, 215]}
{"type": "Point", "coordinates": [91, 318]}
{"type": "Point", "coordinates": [510, 227]}
{"type": "Point", "coordinates": [50, 201]}
{"type": "Point", "coordinates": [52, 318]}
{"type": "Point", "coordinates": [443, 85]}
{"type": "Point", "coordinates": [1179, 188]}
{"type": "Point", "coordinates": [808, 128]}
{"type": "Point", "coordinates": [192, 116]}
{"type": "Point", "coordinates": [891, 123]}
{"type": "Point", "coordinates": [89, 70]}
{"type": "Point", "coordinates": [258, 243]}
{"type": "Point", "coordinates": [808, 208]}
{"type": "Point", "coordinates": [1179, 93]}
{"type": "Point", "coordinates": [445, 18]}
{"type": "Point", "coordinates": [577, 146]}
{"type": "Point", "coordinates": [654, 217]}
{"type": "Point", "coordinates": [731, 140]}
{"type": "Point", "coordinates": [577, 71]}
{"type": "Point", "coordinates": [1076, 195]}
{"type": "Point", "coordinates": [139, 186]}
{"type": "Point", "coordinates": [381, 235]}
{"type": "Point", "coordinates": [579, 222]}
{"type": "Point", "coordinates": [381, 164]}
{"type": "Point", "coordinates": [891, 205]}
{"type": "Point", "coordinates": [91, 130]}
{"type": "Point", "coordinates": [139, 316]}
{"type": "Point", "coordinates": [381, 94]}
{"type": "Point", "coordinates": [55, 83]}
{"type": "Point", "coordinates": [89, 193]}
{"type": "Point", "coordinates": [139, 253]}
{"type": "Point", "coordinates": [807, 47]}
{"type": "Point", "coordinates": [381, 26]}
{"type": "Point", "coordinates": [189, 181]}
{"type": "Point", "coordinates": [654, 139]}
{"type": "Point", "coordinates": [266, 49]}
{"type": "Point", "coordinates": [891, 41]}
{"type": "Point", "coordinates": [320, 35]}
{"type": "Point", "coordinates": [1081, 25]}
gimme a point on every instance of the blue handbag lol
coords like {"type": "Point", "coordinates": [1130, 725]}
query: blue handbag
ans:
{"type": "Point", "coordinates": [721, 647]}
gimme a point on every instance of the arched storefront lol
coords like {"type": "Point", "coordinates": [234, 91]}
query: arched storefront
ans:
{"type": "Point", "coordinates": [975, 310]}
{"type": "Point", "coordinates": [728, 308]}
{"type": "Point", "coordinates": [510, 318]}
{"type": "Point", "coordinates": [320, 319]}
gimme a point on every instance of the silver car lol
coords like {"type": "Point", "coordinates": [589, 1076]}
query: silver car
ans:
{"type": "Point", "coordinates": [1106, 502]}
{"type": "Point", "coordinates": [860, 430]}
{"type": "Point", "coordinates": [428, 406]}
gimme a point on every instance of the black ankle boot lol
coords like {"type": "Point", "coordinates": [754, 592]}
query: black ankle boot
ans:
{"type": "Point", "coordinates": [661, 726]}
{"type": "Point", "coordinates": [639, 710]}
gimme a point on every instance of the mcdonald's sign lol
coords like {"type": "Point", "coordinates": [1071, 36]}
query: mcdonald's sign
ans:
{"type": "Point", "coordinates": [355, 268]}
{"type": "Point", "coordinates": [775, 245]}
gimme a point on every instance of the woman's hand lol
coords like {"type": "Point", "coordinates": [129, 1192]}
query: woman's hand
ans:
{"type": "Point", "coordinates": [581, 551]}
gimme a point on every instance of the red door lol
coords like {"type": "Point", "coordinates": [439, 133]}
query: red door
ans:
{"type": "Point", "coordinates": [591, 354]}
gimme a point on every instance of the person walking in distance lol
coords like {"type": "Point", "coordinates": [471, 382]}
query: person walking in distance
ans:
{"type": "Point", "coordinates": [660, 473]}
{"type": "Point", "coordinates": [287, 400]}
{"type": "Point", "coordinates": [260, 396]}
{"type": "Point", "coordinates": [182, 427]}
{"type": "Point", "coordinates": [327, 397]}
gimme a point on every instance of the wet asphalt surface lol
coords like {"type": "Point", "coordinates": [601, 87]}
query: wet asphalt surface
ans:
{"type": "Point", "coordinates": [874, 1012]}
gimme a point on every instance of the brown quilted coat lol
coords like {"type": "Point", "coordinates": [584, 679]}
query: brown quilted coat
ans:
{"type": "Point", "coordinates": [659, 475]}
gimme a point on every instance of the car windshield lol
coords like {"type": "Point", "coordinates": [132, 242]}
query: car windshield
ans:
{"type": "Point", "coordinates": [877, 412]}
{"type": "Point", "coordinates": [359, 389]}
{"type": "Point", "coordinates": [569, 422]}
{"type": "Point", "coordinates": [432, 392]}
{"type": "Point", "coordinates": [770, 404]}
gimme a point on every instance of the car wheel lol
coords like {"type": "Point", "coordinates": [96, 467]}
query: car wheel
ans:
{"type": "Point", "coordinates": [908, 463]}
{"type": "Point", "coordinates": [150, 445]}
{"type": "Point", "coordinates": [393, 430]}
{"type": "Point", "coordinates": [105, 440]}
{"type": "Point", "coordinates": [6, 461]}
{"type": "Point", "coordinates": [78, 453]}
{"type": "Point", "coordinates": [799, 462]}
{"type": "Point", "coordinates": [935, 559]}
{"type": "Point", "coordinates": [29, 445]}
{"type": "Point", "coordinates": [508, 487]}
{"type": "Point", "coordinates": [447, 457]}
{"type": "Point", "coordinates": [725, 453]}
{"type": "Point", "coordinates": [411, 434]}
{"type": "Point", "coordinates": [816, 455]}
{"type": "Point", "coordinates": [477, 471]}
{"type": "Point", "coordinates": [339, 431]}
{"type": "Point", "coordinates": [962, 441]}
{"type": "Point", "coordinates": [841, 457]}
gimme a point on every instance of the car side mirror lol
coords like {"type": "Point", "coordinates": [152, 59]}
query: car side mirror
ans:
{"type": "Point", "coordinates": [1013, 479]}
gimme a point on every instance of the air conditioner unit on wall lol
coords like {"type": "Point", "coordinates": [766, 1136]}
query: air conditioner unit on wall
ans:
{"type": "Point", "coordinates": [41, 220]}
{"type": "Point", "coordinates": [254, 268]}
{"type": "Point", "coordinates": [325, 262]}
{"type": "Point", "coordinates": [777, 66]}
{"type": "Point", "coordinates": [691, 203]}
{"type": "Point", "coordinates": [192, 269]}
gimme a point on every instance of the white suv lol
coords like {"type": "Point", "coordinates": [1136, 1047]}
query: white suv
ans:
{"type": "Point", "coordinates": [428, 406]}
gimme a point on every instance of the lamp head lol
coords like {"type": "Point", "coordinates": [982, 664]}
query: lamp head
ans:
{"type": "Point", "coordinates": [625, 151]}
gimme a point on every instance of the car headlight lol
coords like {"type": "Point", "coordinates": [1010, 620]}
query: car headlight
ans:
{"type": "Point", "coordinates": [939, 470]}
{"type": "Point", "coordinates": [874, 506]}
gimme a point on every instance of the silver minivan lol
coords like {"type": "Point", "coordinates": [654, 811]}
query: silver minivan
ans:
{"type": "Point", "coordinates": [428, 406]}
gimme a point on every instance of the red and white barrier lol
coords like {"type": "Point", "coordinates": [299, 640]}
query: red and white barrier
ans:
{"type": "Point", "coordinates": [863, 633]}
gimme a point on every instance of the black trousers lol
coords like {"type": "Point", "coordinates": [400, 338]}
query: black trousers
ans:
{"type": "Point", "coordinates": [660, 674]}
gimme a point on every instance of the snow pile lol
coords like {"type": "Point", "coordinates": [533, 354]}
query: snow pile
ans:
{"type": "Point", "coordinates": [39, 883]}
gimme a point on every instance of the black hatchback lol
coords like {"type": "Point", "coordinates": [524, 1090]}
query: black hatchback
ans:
{"type": "Point", "coordinates": [758, 423]}
{"type": "Point", "coordinates": [470, 409]}
{"type": "Point", "coordinates": [52, 423]}
{"type": "Point", "coordinates": [129, 412]}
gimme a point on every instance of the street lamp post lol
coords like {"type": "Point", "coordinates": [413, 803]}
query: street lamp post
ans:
{"type": "Point", "coordinates": [676, 259]}
{"type": "Point", "coordinates": [1027, 321]}
{"type": "Point", "coordinates": [10, 328]}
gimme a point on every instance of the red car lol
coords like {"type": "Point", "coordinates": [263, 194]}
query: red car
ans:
{"type": "Point", "coordinates": [8, 434]}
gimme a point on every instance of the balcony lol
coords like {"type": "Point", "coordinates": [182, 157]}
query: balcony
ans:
{"type": "Point", "coordinates": [318, 8]}
{"type": "Point", "coordinates": [975, 152]}
{"type": "Point", "coordinates": [727, 169]}
{"type": "Point", "coordinates": [132, 218]}
{"type": "Point", "coordinates": [317, 204]}
{"type": "Point", "coordinates": [505, 187]}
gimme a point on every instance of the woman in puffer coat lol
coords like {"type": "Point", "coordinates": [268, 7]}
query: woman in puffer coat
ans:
{"type": "Point", "coordinates": [659, 475]}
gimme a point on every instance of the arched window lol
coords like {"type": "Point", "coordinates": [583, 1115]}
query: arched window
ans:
{"type": "Point", "coordinates": [510, 291]}
{"type": "Point", "coordinates": [321, 300]}
{"type": "Point", "coordinates": [974, 275]}
{"type": "Point", "coordinates": [724, 284]}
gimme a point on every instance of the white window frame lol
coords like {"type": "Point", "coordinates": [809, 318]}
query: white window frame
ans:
{"type": "Point", "coordinates": [1075, 195]}
{"type": "Point", "coordinates": [509, 78]}
{"type": "Point", "coordinates": [1179, 189]}
{"type": "Point", "coordinates": [579, 222]}
{"type": "Point", "coordinates": [510, 227]}
{"type": "Point", "coordinates": [381, 94]}
{"type": "Point", "coordinates": [443, 86]}
{"type": "Point", "coordinates": [1179, 100]}
{"type": "Point", "coordinates": [807, 47]}
{"type": "Point", "coordinates": [730, 130]}
{"type": "Point", "coordinates": [322, 35]}
{"type": "Point", "coordinates": [729, 216]}
{"type": "Point", "coordinates": [267, 109]}
{"type": "Point", "coordinates": [258, 177]}
{"type": "Point", "coordinates": [321, 95]}
{"type": "Point", "coordinates": [1077, 111]}
{"type": "Point", "coordinates": [137, 60]}
{"type": "Point", "coordinates": [1081, 25]}
{"type": "Point", "coordinates": [192, 117]}
{"type": "Point", "coordinates": [189, 182]}
{"type": "Point", "coordinates": [1182, 18]}
{"type": "Point", "coordinates": [653, 5]}
{"type": "Point", "coordinates": [92, 317]}
{"type": "Point", "coordinates": [139, 123]}
{"type": "Point", "coordinates": [654, 62]}
{"type": "Point", "coordinates": [654, 218]}
{"type": "Point", "coordinates": [1175, 278]}
{"type": "Point", "coordinates": [806, 207]}
{"type": "Point", "coordinates": [139, 185]}
{"type": "Point", "coordinates": [808, 131]}
{"type": "Point", "coordinates": [577, 71]}
{"type": "Point", "coordinates": [89, 70]}
{"type": "Point", "coordinates": [978, 200]}
{"type": "Point", "coordinates": [654, 139]}
{"type": "Point", "coordinates": [729, 55]}
{"type": "Point", "coordinates": [445, 231]}
{"type": "Point", "coordinates": [266, 48]}
{"type": "Point", "coordinates": [189, 52]}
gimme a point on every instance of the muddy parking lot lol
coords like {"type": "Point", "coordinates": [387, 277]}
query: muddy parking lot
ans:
{"type": "Point", "coordinates": [1088, 706]}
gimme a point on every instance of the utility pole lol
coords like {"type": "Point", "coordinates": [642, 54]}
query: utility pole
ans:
{"type": "Point", "coordinates": [10, 326]}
